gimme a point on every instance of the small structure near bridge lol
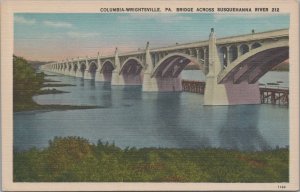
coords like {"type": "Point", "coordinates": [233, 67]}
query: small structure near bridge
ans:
{"type": "Point", "coordinates": [275, 96]}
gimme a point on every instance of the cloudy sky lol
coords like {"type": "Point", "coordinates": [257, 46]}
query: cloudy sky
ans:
{"type": "Point", "coordinates": [54, 37]}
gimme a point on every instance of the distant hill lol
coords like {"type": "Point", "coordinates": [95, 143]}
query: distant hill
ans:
{"type": "Point", "coordinates": [284, 66]}
{"type": "Point", "coordinates": [192, 67]}
{"type": "Point", "coordinates": [37, 64]}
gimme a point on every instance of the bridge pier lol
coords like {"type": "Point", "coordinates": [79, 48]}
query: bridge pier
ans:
{"type": "Point", "coordinates": [72, 73]}
{"type": "Point", "coordinates": [226, 93]}
{"type": "Point", "coordinates": [214, 94]}
{"type": "Point", "coordinates": [149, 83]}
{"type": "Point", "coordinates": [165, 84]}
{"type": "Point", "coordinates": [67, 72]}
{"type": "Point", "coordinates": [87, 75]}
{"type": "Point", "coordinates": [242, 93]}
{"type": "Point", "coordinates": [79, 74]}
{"type": "Point", "coordinates": [103, 77]}
{"type": "Point", "coordinates": [116, 78]}
{"type": "Point", "coordinates": [99, 76]}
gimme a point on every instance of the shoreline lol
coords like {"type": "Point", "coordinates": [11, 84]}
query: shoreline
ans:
{"type": "Point", "coordinates": [54, 107]}
{"type": "Point", "coordinates": [50, 91]}
{"type": "Point", "coordinates": [57, 85]}
{"type": "Point", "coordinates": [30, 106]}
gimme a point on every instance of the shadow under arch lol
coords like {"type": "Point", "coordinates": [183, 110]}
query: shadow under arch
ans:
{"type": "Point", "coordinates": [131, 71]}
{"type": "Point", "coordinates": [252, 65]}
{"type": "Point", "coordinates": [107, 69]}
{"type": "Point", "coordinates": [166, 74]}
{"type": "Point", "coordinates": [82, 68]}
{"type": "Point", "coordinates": [92, 69]}
{"type": "Point", "coordinates": [173, 64]}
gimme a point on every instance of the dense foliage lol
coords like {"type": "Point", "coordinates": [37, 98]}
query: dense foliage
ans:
{"type": "Point", "coordinates": [26, 83]}
{"type": "Point", "coordinates": [75, 159]}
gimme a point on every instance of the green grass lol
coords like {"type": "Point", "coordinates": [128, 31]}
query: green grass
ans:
{"type": "Point", "coordinates": [74, 159]}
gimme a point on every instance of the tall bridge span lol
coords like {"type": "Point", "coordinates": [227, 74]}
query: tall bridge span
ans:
{"type": "Point", "coordinates": [232, 66]}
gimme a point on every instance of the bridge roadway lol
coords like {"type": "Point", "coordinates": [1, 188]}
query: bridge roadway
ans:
{"type": "Point", "coordinates": [232, 65]}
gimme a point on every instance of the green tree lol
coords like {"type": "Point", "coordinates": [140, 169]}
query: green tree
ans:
{"type": "Point", "coordinates": [26, 82]}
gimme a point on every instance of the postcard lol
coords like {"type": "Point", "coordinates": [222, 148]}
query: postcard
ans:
{"type": "Point", "coordinates": [150, 95]}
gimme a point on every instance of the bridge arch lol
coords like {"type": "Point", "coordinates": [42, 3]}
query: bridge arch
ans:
{"type": "Point", "coordinates": [254, 64]}
{"type": "Point", "coordinates": [107, 66]}
{"type": "Point", "coordinates": [82, 67]}
{"type": "Point", "coordinates": [75, 67]}
{"type": "Point", "coordinates": [64, 66]}
{"type": "Point", "coordinates": [131, 65]}
{"type": "Point", "coordinates": [172, 65]}
{"type": "Point", "coordinates": [92, 69]}
{"type": "Point", "coordinates": [69, 66]}
{"type": "Point", "coordinates": [131, 71]}
{"type": "Point", "coordinates": [105, 72]}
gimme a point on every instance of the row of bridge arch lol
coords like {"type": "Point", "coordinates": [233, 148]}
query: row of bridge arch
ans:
{"type": "Point", "coordinates": [88, 68]}
{"type": "Point", "coordinates": [232, 66]}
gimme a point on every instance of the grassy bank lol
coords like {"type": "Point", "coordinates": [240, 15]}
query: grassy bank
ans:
{"type": "Point", "coordinates": [74, 159]}
{"type": "Point", "coordinates": [27, 83]}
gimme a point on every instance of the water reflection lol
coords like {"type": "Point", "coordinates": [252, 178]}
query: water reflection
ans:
{"type": "Point", "coordinates": [92, 84]}
{"type": "Point", "coordinates": [105, 95]}
{"type": "Point", "coordinates": [81, 82]}
{"type": "Point", "coordinates": [106, 86]}
{"type": "Point", "coordinates": [134, 118]}
{"type": "Point", "coordinates": [169, 115]}
{"type": "Point", "coordinates": [240, 131]}
{"type": "Point", "coordinates": [132, 92]}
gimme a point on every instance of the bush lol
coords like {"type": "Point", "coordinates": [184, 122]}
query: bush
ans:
{"type": "Point", "coordinates": [75, 159]}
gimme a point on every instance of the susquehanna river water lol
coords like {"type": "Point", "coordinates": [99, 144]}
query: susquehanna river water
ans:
{"type": "Point", "coordinates": [130, 117]}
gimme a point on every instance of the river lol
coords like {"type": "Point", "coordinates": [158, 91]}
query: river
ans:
{"type": "Point", "coordinates": [130, 117]}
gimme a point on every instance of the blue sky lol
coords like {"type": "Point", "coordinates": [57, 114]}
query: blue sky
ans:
{"type": "Point", "coordinates": [58, 36]}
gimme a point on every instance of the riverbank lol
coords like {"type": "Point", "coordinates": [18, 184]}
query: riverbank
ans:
{"type": "Point", "coordinates": [33, 106]}
{"type": "Point", "coordinates": [27, 103]}
{"type": "Point", "coordinates": [75, 159]}
{"type": "Point", "coordinates": [57, 85]}
{"type": "Point", "coordinates": [28, 83]}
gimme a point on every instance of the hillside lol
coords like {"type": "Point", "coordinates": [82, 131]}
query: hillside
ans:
{"type": "Point", "coordinates": [284, 66]}
{"type": "Point", "coordinates": [37, 64]}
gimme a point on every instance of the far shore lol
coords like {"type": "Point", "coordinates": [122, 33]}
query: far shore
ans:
{"type": "Point", "coordinates": [30, 105]}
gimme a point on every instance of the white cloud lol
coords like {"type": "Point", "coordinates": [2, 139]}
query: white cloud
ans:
{"type": "Point", "coordinates": [74, 34]}
{"type": "Point", "coordinates": [57, 24]}
{"type": "Point", "coordinates": [22, 20]}
{"type": "Point", "coordinates": [163, 18]}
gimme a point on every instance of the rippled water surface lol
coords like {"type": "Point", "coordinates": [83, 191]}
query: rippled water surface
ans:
{"type": "Point", "coordinates": [130, 117]}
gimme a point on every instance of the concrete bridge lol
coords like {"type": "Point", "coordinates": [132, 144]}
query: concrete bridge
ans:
{"type": "Point", "coordinates": [232, 66]}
